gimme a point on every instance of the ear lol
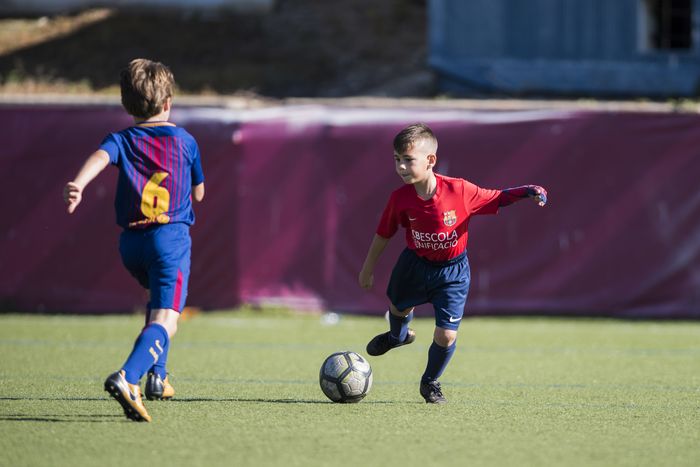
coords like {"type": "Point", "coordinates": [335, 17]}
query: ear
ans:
{"type": "Point", "coordinates": [432, 160]}
{"type": "Point", "coordinates": [167, 104]}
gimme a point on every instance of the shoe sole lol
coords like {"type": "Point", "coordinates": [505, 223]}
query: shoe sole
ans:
{"type": "Point", "coordinates": [153, 397]}
{"type": "Point", "coordinates": [409, 340]}
{"type": "Point", "coordinates": [439, 401]}
{"type": "Point", "coordinates": [115, 391]}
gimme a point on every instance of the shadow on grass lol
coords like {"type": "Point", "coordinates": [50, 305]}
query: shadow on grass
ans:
{"type": "Point", "coordinates": [54, 398]}
{"type": "Point", "coordinates": [62, 418]}
{"type": "Point", "coordinates": [69, 418]}
{"type": "Point", "coordinates": [270, 401]}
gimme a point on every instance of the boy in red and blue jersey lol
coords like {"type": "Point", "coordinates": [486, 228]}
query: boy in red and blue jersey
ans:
{"type": "Point", "coordinates": [160, 172]}
{"type": "Point", "coordinates": [435, 211]}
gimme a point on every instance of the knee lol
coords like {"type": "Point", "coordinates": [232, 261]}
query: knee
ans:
{"type": "Point", "coordinates": [444, 337]}
{"type": "Point", "coordinates": [400, 313]}
{"type": "Point", "coordinates": [167, 319]}
{"type": "Point", "coordinates": [172, 329]}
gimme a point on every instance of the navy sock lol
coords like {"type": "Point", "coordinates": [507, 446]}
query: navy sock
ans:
{"type": "Point", "coordinates": [159, 367]}
{"type": "Point", "coordinates": [147, 350]}
{"type": "Point", "coordinates": [398, 327]}
{"type": "Point", "coordinates": [438, 358]}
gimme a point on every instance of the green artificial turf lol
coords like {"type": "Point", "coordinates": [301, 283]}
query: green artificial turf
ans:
{"type": "Point", "coordinates": [521, 392]}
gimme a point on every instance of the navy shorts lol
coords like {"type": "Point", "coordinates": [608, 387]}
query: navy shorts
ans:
{"type": "Point", "coordinates": [159, 258]}
{"type": "Point", "coordinates": [415, 281]}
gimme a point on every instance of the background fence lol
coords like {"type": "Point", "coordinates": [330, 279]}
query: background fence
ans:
{"type": "Point", "coordinates": [294, 195]}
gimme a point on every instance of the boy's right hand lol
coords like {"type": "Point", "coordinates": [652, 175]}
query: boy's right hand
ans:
{"type": "Point", "coordinates": [539, 193]}
{"type": "Point", "coordinates": [72, 195]}
{"type": "Point", "coordinates": [366, 279]}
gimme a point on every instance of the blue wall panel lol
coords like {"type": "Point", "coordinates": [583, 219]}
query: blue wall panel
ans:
{"type": "Point", "coordinates": [585, 47]}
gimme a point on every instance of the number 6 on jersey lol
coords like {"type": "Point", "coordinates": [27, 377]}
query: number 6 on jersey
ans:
{"type": "Point", "coordinates": [155, 199]}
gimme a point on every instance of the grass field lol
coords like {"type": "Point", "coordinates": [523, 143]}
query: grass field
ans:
{"type": "Point", "coordinates": [521, 391]}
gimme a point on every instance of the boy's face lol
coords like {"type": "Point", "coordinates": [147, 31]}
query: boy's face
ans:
{"type": "Point", "coordinates": [416, 163]}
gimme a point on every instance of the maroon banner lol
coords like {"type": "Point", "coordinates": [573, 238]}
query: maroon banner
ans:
{"type": "Point", "coordinates": [294, 195]}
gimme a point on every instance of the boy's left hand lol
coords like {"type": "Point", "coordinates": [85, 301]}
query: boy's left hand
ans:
{"type": "Point", "coordinates": [538, 193]}
{"type": "Point", "coordinates": [366, 279]}
{"type": "Point", "coordinates": [72, 195]}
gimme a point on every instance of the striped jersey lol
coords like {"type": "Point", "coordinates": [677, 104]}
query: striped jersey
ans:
{"type": "Point", "coordinates": [158, 165]}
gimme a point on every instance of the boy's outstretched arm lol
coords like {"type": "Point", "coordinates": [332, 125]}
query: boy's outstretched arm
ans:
{"type": "Point", "coordinates": [73, 191]}
{"type": "Point", "coordinates": [376, 248]}
{"type": "Point", "coordinates": [511, 195]}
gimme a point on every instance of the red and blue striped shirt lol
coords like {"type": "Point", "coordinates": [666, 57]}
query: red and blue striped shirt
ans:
{"type": "Point", "coordinates": [158, 165]}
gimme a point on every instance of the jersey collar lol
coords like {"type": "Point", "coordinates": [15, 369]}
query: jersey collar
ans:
{"type": "Point", "coordinates": [436, 195]}
{"type": "Point", "coordinates": [152, 124]}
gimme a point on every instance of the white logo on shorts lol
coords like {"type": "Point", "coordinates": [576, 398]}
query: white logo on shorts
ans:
{"type": "Point", "coordinates": [454, 320]}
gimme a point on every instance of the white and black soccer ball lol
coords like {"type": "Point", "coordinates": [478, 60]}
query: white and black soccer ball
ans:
{"type": "Point", "coordinates": [345, 377]}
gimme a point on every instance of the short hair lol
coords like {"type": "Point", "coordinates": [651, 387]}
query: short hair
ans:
{"type": "Point", "coordinates": [413, 134]}
{"type": "Point", "coordinates": [145, 86]}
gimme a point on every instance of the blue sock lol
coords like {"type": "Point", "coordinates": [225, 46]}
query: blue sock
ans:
{"type": "Point", "coordinates": [159, 367]}
{"type": "Point", "coordinates": [147, 350]}
{"type": "Point", "coordinates": [398, 327]}
{"type": "Point", "coordinates": [438, 358]}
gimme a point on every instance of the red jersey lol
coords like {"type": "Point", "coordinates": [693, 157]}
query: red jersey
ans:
{"type": "Point", "coordinates": [436, 229]}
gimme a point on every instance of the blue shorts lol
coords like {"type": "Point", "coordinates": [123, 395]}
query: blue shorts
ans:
{"type": "Point", "coordinates": [159, 258]}
{"type": "Point", "coordinates": [415, 281]}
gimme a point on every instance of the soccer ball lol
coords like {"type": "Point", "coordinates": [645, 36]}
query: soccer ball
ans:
{"type": "Point", "coordinates": [345, 377]}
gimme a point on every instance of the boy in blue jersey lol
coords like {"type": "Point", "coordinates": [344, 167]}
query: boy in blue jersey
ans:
{"type": "Point", "coordinates": [160, 172]}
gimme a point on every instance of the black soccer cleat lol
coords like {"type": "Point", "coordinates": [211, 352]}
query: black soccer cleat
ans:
{"type": "Point", "coordinates": [432, 392]}
{"type": "Point", "coordinates": [379, 345]}
{"type": "Point", "coordinates": [158, 388]}
{"type": "Point", "coordinates": [128, 396]}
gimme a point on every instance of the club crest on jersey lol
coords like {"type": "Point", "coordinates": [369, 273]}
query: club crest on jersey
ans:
{"type": "Point", "coordinates": [449, 218]}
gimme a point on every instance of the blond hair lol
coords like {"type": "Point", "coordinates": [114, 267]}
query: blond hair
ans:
{"type": "Point", "coordinates": [145, 86]}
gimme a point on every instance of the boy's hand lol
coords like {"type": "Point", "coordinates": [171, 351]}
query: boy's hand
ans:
{"type": "Point", "coordinates": [539, 193]}
{"type": "Point", "coordinates": [366, 279]}
{"type": "Point", "coordinates": [72, 195]}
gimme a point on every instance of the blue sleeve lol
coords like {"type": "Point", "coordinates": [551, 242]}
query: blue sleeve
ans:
{"type": "Point", "coordinates": [197, 173]}
{"type": "Point", "coordinates": [111, 147]}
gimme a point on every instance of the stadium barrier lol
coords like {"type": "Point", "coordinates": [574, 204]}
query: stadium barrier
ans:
{"type": "Point", "coordinates": [294, 194]}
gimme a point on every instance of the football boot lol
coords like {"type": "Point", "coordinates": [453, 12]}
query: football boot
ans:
{"type": "Point", "coordinates": [128, 396]}
{"type": "Point", "coordinates": [158, 388]}
{"type": "Point", "coordinates": [432, 392]}
{"type": "Point", "coordinates": [379, 345]}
